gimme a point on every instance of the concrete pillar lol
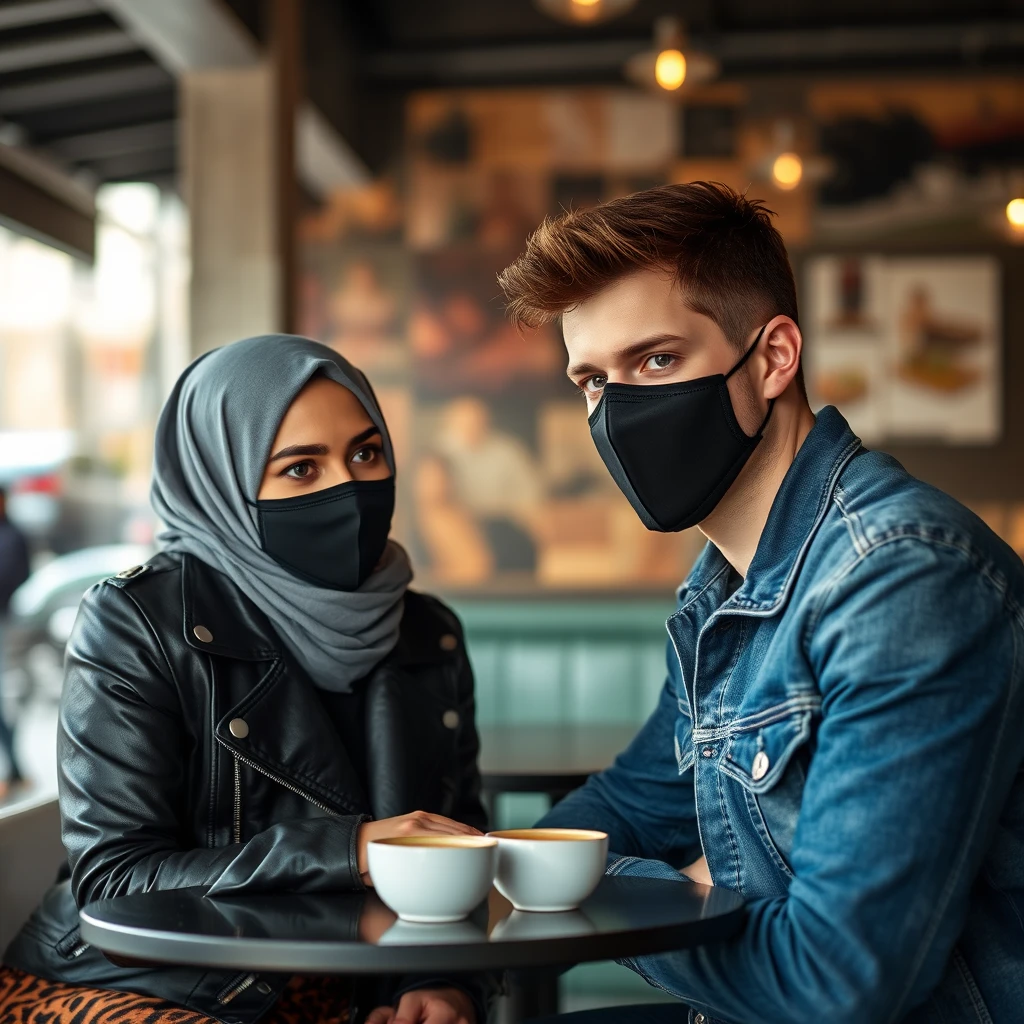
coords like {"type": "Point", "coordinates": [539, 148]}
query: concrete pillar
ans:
{"type": "Point", "coordinates": [229, 159]}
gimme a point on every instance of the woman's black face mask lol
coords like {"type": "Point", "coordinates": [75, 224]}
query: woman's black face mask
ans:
{"type": "Point", "coordinates": [333, 538]}
{"type": "Point", "coordinates": [674, 449]}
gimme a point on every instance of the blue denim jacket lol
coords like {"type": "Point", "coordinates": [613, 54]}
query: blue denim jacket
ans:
{"type": "Point", "coordinates": [841, 734]}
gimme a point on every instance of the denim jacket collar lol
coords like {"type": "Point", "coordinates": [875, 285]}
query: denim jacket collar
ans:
{"type": "Point", "coordinates": [795, 515]}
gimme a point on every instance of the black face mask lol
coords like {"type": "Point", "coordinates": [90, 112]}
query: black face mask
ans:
{"type": "Point", "coordinates": [673, 449]}
{"type": "Point", "coordinates": [334, 537]}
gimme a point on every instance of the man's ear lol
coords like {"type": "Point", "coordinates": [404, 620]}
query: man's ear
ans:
{"type": "Point", "coordinates": [783, 346]}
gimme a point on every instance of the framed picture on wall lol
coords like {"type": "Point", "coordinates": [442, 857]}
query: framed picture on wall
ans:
{"type": "Point", "coordinates": [908, 347]}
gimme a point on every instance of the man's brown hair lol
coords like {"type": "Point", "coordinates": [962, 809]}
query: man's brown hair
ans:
{"type": "Point", "coordinates": [726, 255]}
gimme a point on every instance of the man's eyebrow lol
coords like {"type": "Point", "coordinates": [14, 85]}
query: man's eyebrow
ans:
{"type": "Point", "coordinates": [300, 449]}
{"type": "Point", "coordinates": [635, 349]}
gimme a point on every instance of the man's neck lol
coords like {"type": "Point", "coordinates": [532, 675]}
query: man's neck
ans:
{"type": "Point", "coordinates": [736, 525]}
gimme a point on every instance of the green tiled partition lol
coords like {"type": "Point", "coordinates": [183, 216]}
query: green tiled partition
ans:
{"type": "Point", "coordinates": [581, 661]}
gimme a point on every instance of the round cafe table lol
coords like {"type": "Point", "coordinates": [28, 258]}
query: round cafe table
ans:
{"type": "Point", "coordinates": [355, 933]}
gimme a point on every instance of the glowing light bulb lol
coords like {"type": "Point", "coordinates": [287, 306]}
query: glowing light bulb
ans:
{"type": "Point", "coordinates": [1015, 212]}
{"type": "Point", "coordinates": [586, 3]}
{"type": "Point", "coordinates": [670, 69]}
{"type": "Point", "coordinates": [787, 170]}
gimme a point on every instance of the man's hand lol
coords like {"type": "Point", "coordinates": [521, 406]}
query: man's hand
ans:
{"type": "Point", "coordinates": [428, 1006]}
{"type": "Point", "coordinates": [418, 823]}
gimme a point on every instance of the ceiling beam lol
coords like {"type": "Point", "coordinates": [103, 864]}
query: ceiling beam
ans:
{"type": "Point", "coordinates": [557, 61]}
{"type": "Point", "coordinates": [70, 90]}
{"type": "Point", "coordinates": [136, 138]}
{"type": "Point", "coordinates": [185, 34]}
{"type": "Point", "coordinates": [38, 199]}
{"type": "Point", "coordinates": [40, 12]}
{"type": "Point", "coordinates": [482, 62]}
{"type": "Point", "coordinates": [194, 34]}
{"type": "Point", "coordinates": [153, 164]}
{"type": "Point", "coordinates": [64, 49]}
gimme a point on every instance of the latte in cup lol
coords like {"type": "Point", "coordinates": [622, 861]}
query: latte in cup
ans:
{"type": "Point", "coordinates": [432, 879]}
{"type": "Point", "coordinates": [549, 869]}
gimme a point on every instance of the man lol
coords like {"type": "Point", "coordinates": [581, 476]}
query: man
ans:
{"type": "Point", "coordinates": [13, 572]}
{"type": "Point", "coordinates": [839, 738]}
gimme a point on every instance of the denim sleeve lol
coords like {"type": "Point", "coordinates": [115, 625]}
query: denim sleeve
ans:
{"type": "Point", "coordinates": [645, 801]}
{"type": "Point", "coordinates": [917, 654]}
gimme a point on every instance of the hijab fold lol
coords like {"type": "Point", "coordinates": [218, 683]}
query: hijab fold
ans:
{"type": "Point", "coordinates": [212, 443]}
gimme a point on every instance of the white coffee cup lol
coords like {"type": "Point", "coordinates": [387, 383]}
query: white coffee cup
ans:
{"type": "Point", "coordinates": [432, 879]}
{"type": "Point", "coordinates": [549, 869]}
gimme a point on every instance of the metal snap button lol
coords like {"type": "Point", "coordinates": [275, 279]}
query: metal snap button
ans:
{"type": "Point", "coordinates": [449, 642]}
{"type": "Point", "coordinates": [135, 570]}
{"type": "Point", "coordinates": [450, 719]}
{"type": "Point", "coordinates": [264, 989]}
{"type": "Point", "coordinates": [202, 634]}
{"type": "Point", "coordinates": [760, 767]}
{"type": "Point", "coordinates": [239, 728]}
{"type": "Point", "coordinates": [699, 1019]}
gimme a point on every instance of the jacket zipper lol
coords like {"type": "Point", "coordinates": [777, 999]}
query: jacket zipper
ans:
{"type": "Point", "coordinates": [319, 804]}
{"type": "Point", "coordinates": [238, 801]}
{"type": "Point", "coordinates": [236, 989]}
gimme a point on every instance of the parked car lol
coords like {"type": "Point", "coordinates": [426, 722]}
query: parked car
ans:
{"type": "Point", "coordinates": [43, 611]}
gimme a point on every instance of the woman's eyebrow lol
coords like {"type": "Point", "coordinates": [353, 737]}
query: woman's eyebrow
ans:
{"type": "Point", "coordinates": [301, 449]}
{"type": "Point", "coordinates": [364, 436]}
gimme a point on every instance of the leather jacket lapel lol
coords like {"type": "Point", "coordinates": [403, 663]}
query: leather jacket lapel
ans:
{"type": "Point", "coordinates": [289, 738]}
{"type": "Point", "coordinates": [278, 727]}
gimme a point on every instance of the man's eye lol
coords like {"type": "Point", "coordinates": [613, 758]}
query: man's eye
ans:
{"type": "Point", "coordinates": [659, 361]}
{"type": "Point", "coordinates": [366, 454]}
{"type": "Point", "coordinates": [593, 385]}
{"type": "Point", "coordinates": [301, 470]}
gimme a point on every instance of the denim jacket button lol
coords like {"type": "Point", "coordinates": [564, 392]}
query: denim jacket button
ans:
{"type": "Point", "coordinates": [760, 767]}
{"type": "Point", "coordinates": [699, 1019]}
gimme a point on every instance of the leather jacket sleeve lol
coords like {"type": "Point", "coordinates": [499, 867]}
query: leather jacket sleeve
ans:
{"type": "Point", "coordinates": [124, 778]}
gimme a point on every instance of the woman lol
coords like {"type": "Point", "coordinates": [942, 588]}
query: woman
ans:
{"type": "Point", "coordinates": [254, 705]}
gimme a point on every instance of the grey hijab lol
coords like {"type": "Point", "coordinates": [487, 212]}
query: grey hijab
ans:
{"type": "Point", "coordinates": [212, 443]}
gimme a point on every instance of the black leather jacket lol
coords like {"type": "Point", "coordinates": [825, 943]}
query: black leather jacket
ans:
{"type": "Point", "coordinates": [193, 751]}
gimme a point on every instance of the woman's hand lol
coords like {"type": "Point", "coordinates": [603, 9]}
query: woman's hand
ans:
{"type": "Point", "coordinates": [419, 823]}
{"type": "Point", "coordinates": [698, 872]}
{"type": "Point", "coordinates": [428, 1006]}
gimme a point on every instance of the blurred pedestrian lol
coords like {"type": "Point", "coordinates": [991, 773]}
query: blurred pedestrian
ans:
{"type": "Point", "coordinates": [13, 572]}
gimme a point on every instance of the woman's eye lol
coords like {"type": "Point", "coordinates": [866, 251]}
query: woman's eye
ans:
{"type": "Point", "coordinates": [301, 470]}
{"type": "Point", "coordinates": [593, 385]}
{"type": "Point", "coordinates": [660, 361]}
{"type": "Point", "coordinates": [366, 454]}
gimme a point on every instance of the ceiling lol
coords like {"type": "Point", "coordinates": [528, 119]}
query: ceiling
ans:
{"type": "Point", "coordinates": [76, 86]}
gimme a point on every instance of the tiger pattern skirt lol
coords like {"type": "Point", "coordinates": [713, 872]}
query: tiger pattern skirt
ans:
{"type": "Point", "coordinates": [27, 999]}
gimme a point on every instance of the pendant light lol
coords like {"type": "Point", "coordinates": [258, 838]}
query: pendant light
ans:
{"type": "Point", "coordinates": [672, 66]}
{"type": "Point", "coordinates": [584, 12]}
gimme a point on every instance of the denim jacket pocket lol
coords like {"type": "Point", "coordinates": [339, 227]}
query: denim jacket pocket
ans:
{"type": "Point", "coordinates": [769, 761]}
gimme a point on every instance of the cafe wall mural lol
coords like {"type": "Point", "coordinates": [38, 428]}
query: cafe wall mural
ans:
{"type": "Point", "coordinates": [500, 488]}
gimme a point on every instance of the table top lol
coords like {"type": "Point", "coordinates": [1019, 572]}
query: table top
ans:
{"type": "Point", "coordinates": [543, 757]}
{"type": "Point", "coordinates": [356, 932]}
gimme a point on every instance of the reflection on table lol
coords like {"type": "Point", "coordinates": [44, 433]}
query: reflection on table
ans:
{"type": "Point", "coordinates": [356, 932]}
